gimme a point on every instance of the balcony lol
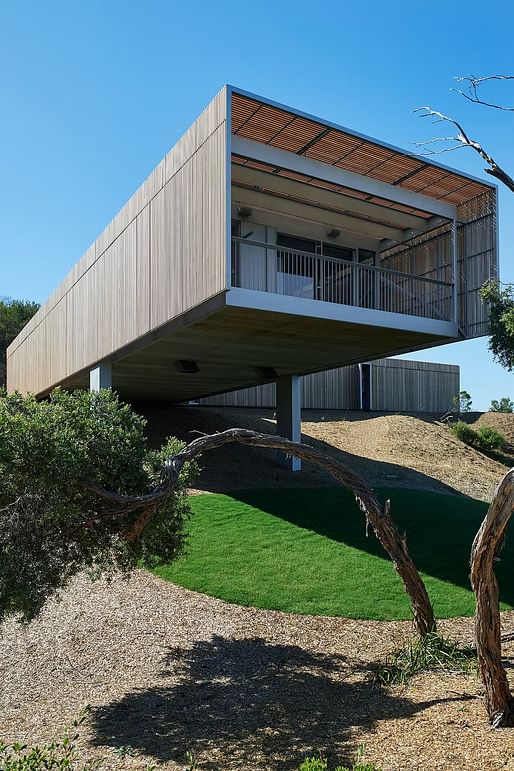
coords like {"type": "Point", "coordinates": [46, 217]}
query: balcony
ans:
{"type": "Point", "coordinates": [270, 268]}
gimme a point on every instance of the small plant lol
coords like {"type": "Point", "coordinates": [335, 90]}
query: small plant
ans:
{"type": "Point", "coordinates": [125, 751]}
{"type": "Point", "coordinates": [491, 440]}
{"type": "Point", "coordinates": [53, 756]}
{"type": "Point", "coordinates": [464, 432]}
{"type": "Point", "coordinates": [191, 761]}
{"type": "Point", "coordinates": [313, 764]}
{"type": "Point", "coordinates": [487, 439]}
{"type": "Point", "coordinates": [431, 653]}
{"type": "Point", "coordinates": [321, 764]}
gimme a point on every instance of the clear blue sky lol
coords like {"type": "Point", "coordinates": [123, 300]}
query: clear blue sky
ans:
{"type": "Point", "coordinates": [94, 93]}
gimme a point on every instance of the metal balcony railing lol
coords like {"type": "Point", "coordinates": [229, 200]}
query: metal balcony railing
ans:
{"type": "Point", "coordinates": [271, 268]}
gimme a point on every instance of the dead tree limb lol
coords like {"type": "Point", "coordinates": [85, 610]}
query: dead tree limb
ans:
{"type": "Point", "coordinates": [486, 546]}
{"type": "Point", "coordinates": [377, 516]}
{"type": "Point", "coordinates": [461, 139]}
{"type": "Point", "coordinates": [473, 84]}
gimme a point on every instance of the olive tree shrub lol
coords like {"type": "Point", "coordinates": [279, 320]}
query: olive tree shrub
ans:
{"type": "Point", "coordinates": [52, 522]}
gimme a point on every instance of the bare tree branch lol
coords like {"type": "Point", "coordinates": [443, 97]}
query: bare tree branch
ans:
{"type": "Point", "coordinates": [471, 94]}
{"type": "Point", "coordinates": [463, 140]}
{"type": "Point", "coordinates": [377, 516]}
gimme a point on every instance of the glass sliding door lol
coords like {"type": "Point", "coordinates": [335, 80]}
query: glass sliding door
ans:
{"type": "Point", "coordinates": [296, 266]}
{"type": "Point", "coordinates": [336, 280]}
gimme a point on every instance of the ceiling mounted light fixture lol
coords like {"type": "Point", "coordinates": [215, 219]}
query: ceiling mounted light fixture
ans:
{"type": "Point", "coordinates": [187, 366]}
{"type": "Point", "coordinates": [268, 373]}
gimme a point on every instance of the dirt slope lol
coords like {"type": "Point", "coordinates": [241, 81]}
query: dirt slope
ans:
{"type": "Point", "coordinates": [389, 450]}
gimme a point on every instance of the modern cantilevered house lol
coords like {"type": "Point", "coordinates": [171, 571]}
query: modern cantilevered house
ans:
{"type": "Point", "coordinates": [267, 244]}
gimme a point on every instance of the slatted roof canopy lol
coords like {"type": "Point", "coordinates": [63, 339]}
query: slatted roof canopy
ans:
{"type": "Point", "coordinates": [341, 189]}
{"type": "Point", "coordinates": [284, 129]}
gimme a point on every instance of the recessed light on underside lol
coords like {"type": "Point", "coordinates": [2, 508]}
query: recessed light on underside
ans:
{"type": "Point", "coordinates": [187, 366]}
{"type": "Point", "coordinates": [268, 373]}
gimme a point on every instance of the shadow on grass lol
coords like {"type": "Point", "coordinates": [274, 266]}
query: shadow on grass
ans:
{"type": "Point", "coordinates": [245, 702]}
{"type": "Point", "coordinates": [440, 528]}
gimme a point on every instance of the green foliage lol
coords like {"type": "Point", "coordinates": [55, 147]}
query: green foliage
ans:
{"type": "Point", "coordinates": [431, 653]}
{"type": "Point", "coordinates": [487, 439]}
{"type": "Point", "coordinates": [501, 321]}
{"type": "Point", "coordinates": [490, 440]}
{"type": "Point", "coordinates": [313, 764]}
{"type": "Point", "coordinates": [14, 314]}
{"type": "Point", "coordinates": [54, 756]}
{"type": "Point", "coordinates": [320, 764]}
{"type": "Point", "coordinates": [462, 402]}
{"type": "Point", "coordinates": [52, 525]}
{"type": "Point", "coordinates": [465, 433]}
{"type": "Point", "coordinates": [502, 405]}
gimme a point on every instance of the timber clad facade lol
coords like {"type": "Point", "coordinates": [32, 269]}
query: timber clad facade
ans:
{"type": "Point", "coordinates": [266, 244]}
{"type": "Point", "coordinates": [394, 385]}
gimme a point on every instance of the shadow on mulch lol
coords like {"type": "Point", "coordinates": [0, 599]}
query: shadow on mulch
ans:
{"type": "Point", "coordinates": [245, 702]}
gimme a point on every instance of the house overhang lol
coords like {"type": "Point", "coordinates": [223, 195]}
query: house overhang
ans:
{"type": "Point", "coordinates": [297, 133]}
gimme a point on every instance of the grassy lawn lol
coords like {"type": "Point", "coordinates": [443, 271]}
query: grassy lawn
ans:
{"type": "Point", "coordinates": [306, 551]}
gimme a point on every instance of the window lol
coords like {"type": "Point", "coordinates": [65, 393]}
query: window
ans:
{"type": "Point", "coordinates": [337, 252]}
{"type": "Point", "coordinates": [366, 257]}
{"type": "Point", "coordinates": [296, 271]}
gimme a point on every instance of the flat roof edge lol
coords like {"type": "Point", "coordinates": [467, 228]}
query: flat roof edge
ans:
{"type": "Point", "coordinates": [365, 137]}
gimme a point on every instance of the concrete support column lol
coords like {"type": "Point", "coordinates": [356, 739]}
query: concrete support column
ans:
{"type": "Point", "coordinates": [100, 376]}
{"type": "Point", "coordinates": [289, 415]}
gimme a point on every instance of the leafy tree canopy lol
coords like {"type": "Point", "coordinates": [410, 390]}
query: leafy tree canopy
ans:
{"type": "Point", "coordinates": [52, 523]}
{"type": "Point", "coordinates": [502, 405]}
{"type": "Point", "coordinates": [462, 402]}
{"type": "Point", "coordinates": [501, 318]}
{"type": "Point", "coordinates": [14, 314]}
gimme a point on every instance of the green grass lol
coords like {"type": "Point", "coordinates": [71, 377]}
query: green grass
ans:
{"type": "Point", "coordinates": [306, 551]}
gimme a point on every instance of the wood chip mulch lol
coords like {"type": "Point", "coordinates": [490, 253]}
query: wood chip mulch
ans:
{"type": "Point", "coordinates": [167, 670]}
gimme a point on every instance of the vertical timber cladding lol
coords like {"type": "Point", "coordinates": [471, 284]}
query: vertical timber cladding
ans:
{"type": "Point", "coordinates": [335, 389]}
{"type": "Point", "coordinates": [164, 253]}
{"type": "Point", "coordinates": [400, 385]}
{"type": "Point", "coordinates": [476, 260]}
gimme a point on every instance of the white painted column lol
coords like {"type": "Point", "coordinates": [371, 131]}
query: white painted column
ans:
{"type": "Point", "coordinates": [289, 415]}
{"type": "Point", "coordinates": [100, 376]}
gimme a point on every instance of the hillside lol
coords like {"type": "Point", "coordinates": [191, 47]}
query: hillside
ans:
{"type": "Point", "coordinates": [394, 450]}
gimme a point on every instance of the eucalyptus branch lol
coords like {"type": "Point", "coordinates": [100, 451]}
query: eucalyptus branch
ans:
{"type": "Point", "coordinates": [463, 140]}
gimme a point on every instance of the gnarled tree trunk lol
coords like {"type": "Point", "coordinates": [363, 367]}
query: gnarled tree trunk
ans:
{"type": "Point", "coordinates": [487, 544]}
{"type": "Point", "coordinates": [377, 516]}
